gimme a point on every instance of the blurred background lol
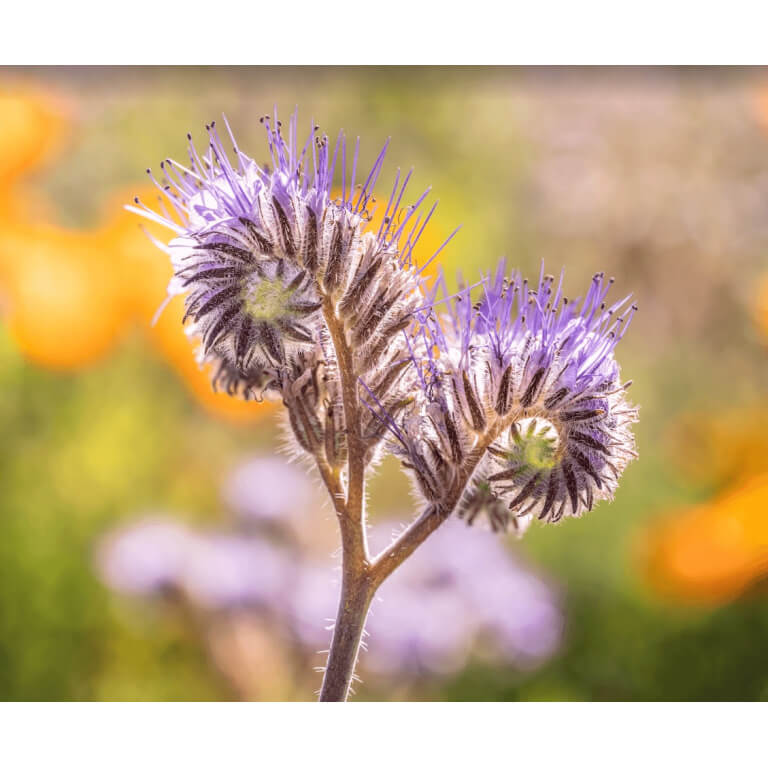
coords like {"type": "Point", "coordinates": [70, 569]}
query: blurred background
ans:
{"type": "Point", "coordinates": [149, 547]}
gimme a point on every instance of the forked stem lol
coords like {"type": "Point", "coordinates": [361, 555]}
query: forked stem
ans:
{"type": "Point", "coordinates": [359, 584]}
{"type": "Point", "coordinates": [356, 588]}
{"type": "Point", "coordinates": [361, 576]}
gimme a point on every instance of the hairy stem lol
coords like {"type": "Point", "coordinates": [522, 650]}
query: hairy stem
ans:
{"type": "Point", "coordinates": [356, 595]}
{"type": "Point", "coordinates": [407, 543]}
{"type": "Point", "coordinates": [351, 402]}
{"type": "Point", "coordinates": [356, 590]}
{"type": "Point", "coordinates": [355, 492]}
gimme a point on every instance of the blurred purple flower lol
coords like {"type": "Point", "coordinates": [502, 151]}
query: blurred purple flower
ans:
{"type": "Point", "coordinates": [144, 558]}
{"type": "Point", "coordinates": [268, 490]}
{"type": "Point", "coordinates": [466, 590]}
{"type": "Point", "coordinates": [311, 609]}
{"type": "Point", "coordinates": [212, 570]}
{"type": "Point", "coordinates": [229, 571]}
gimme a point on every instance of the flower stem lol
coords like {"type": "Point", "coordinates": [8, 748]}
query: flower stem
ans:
{"type": "Point", "coordinates": [357, 589]}
{"type": "Point", "coordinates": [362, 575]}
{"type": "Point", "coordinates": [356, 595]}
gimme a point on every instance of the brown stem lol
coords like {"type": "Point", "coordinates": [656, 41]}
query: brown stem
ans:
{"type": "Point", "coordinates": [405, 545]}
{"type": "Point", "coordinates": [356, 589]}
{"type": "Point", "coordinates": [355, 492]}
{"type": "Point", "coordinates": [356, 595]}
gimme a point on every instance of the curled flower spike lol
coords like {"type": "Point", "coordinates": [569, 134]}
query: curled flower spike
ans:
{"type": "Point", "coordinates": [282, 280]}
{"type": "Point", "coordinates": [524, 386]}
{"type": "Point", "coordinates": [259, 250]}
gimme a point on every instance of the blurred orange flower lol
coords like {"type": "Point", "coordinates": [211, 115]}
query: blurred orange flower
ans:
{"type": "Point", "coordinates": [716, 450]}
{"type": "Point", "coordinates": [712, 553]}
{"type": "Point", "coordinates": [762, 307]}
{"type": "Point", "coordinates": [68, 296]}
{"type": "Point", "coordinates": [31, 127]}
{"type": "Point", "coordinates": [63, 306]}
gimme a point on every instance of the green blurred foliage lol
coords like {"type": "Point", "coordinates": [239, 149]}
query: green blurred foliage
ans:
{"type": "Point", "coordinates": [84, 450]}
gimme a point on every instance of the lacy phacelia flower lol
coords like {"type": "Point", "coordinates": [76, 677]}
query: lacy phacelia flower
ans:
{"type": "Point", "coordinates": [521, 389]}
{"type": "Point", "coordinates": [430, 617]}
{"type": "Point", "coordinates": [511, 406]}
{"type": "Point", "coordinates": [265, 257]}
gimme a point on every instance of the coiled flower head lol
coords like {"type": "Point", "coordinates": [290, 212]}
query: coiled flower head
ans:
{"type": "Point", "coordinates": [261, 251]}
{"type": "Point", "coordinates": [521, 392]}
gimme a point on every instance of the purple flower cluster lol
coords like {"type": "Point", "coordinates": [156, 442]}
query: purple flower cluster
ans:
{"type": "Point", "coordinates": [530, 376]}
{"type": "Point", "coordinates": [216, 570]}
{"type": "Point", "coordinates": [263, 253]}
{"type": "Point", "coordinates": [466, 590]}
{"type": "Point", "coordinates": [503, 399]}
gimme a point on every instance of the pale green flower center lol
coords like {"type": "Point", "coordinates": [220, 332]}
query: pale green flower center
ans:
{"type": "Point", "coordinates": [534, 444]}
{"type": "Point", "coordinates": [267, 300]}
{"type": "Point", "coordinates": [539, 453]}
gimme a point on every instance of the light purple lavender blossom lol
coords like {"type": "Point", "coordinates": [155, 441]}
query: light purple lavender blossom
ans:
{"type": "Point", "coordinates": [263, 252]}
{"type": "Point", "coordinates": [268, 490]}
{"type": "Point", "coordinates": [214, 570]}
{"type": "Point", "coordinates": [145, 558]}
{"type": "Point", "coordinates": [535, 373]}
{"type": "Point", "coordinates": [227, 571]}
{"type": "Point", "coordinates": [465, 591]}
